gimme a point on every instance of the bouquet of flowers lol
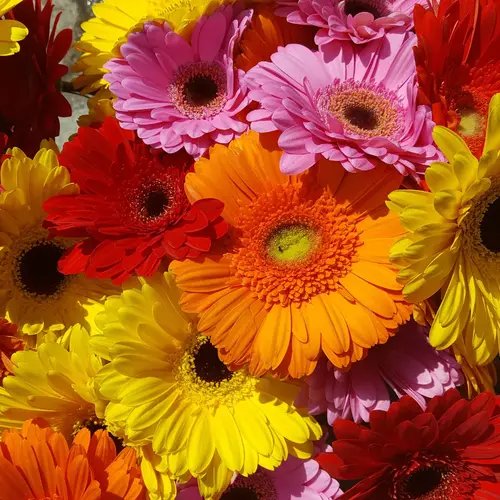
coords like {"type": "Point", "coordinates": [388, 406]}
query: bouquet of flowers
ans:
{"type": "Point", "coordinates": [267, 264]}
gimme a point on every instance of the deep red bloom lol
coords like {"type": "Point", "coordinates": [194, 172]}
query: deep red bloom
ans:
{"type": "Point", "coordinates": [449, 451]}
{"type": "Point", "coordinates": [10, 343]}
{"type": "Point", "coordinates": [30, 102]}
{"type": "Point", "coordinates": [132, 208]}
{"type": "Point", "coordinates": [458, 64]}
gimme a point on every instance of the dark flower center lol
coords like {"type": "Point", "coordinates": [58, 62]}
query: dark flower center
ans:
{"type": "Point", "coordinates": [208, 366]}
{"type": "Point", "coordinates": [490, 227]}
{"type": "Point", "coordinates": [362, 117]}
{"type": "Point", "coordinates": [240, 493]}
{"type": "Point", "coordinates": [37, 269]}
{"type": "Point", "coordinates": [423, 481]}
{"type": "Point", "coordinates": [155, 203]}
{"type": "Point", "coordinates": [353, 7]}
{"type": "Point", "coordinates": [200, 90]}
{"type": "Point", "coordinates": [95, 424]}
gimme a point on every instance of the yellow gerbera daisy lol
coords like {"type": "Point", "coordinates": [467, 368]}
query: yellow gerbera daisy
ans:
{"type": "Point", "coordinates": [11, 31]}
{"type": "Point", "coordinates": [453, 243]}
{"type": "Point", "coordinates": [115, 19]}
{"type": "Point", "coordinates": [100, 106]}
{"type": "Point", "coordinates": [168, 386]}
{"type": "Point", "coordinates": [54, 383]}
{"type": "Point", "coordinates": [33, 294]}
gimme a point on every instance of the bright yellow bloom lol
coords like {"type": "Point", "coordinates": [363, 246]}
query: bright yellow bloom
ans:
{"type": "Point", "coordinates": [11, 31]}
{"type": "Point", "coordinates": [54, 383]}
{"type": "Point", "coordinates": [168, 386]}
{"type": "Point", "coordinates": [33, 293]}
{"type": "Point", "coordinates": [453, 244]}
{"type": "Point", "coordinates": [100, 106]}
{"type": "Point", "coordinates": [115, 19]}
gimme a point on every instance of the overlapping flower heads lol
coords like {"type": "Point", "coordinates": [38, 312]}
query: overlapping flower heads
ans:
{"type": "Point", "coordinates": [276, 228]}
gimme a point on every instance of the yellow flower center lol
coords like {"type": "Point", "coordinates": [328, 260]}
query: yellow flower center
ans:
{"type": "Point", "coordinates": [293, 243]}
{"type": "Point", "coordinates": [207, 381]}
{"type": "Point", "coordinates": [471, 123]}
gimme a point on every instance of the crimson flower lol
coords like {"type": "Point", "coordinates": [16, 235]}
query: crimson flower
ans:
{"type": "Point", "coordinates": [449, 451]}
{"type": "Point", "coordinates": [30, 102]}
{"type": "Point", "coordinates": [132, 209]}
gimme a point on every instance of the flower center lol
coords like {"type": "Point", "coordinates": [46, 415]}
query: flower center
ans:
{"type": "Point", "coordinates": [471, 123]}
{"type": "Point", "coordinates": [291, 243]}
{"type": "Point", "coordinates": [433, 478]}
{"type": "Point", "coordinates": [155, 203]}
{"type": "Point", "coordinates": [198, 90]}
{"type": "Point", "coordinates": [208, 366]}
{"type": "Point", "coordinates": [489, 227]}
{"type": "Point", "coordinates": [376, 8]}
{"type": "Point", "coordinates": [362, 108]}
{"type": "Point", "coordinates": [292, 246]}
{"type": "Point", "coordinates": [206, 380]}
{"type": "Point", "coordinates": [36, 270]}
{"type": "Point", "coordinates": [257, 486]}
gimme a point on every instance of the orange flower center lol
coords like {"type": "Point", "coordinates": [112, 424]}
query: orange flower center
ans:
{"type": "Point", "coordinates": [291, 247]}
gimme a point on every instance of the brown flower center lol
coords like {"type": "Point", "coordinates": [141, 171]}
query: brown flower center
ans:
{"type": "Point", "coordinates": [374, 7]}
{"type": "Point", "coordinates": [208, 366]}
{"type": "Point", "coordinates": [200, 90]}
{"type": "Point", "coordinates": [155, 203]}
{"type": "Point", "coordinates": [489, 227]}
{"type": "Point", "coordinates": [257, 486]}
{"type": "Point", "coordinates": [362, 117]}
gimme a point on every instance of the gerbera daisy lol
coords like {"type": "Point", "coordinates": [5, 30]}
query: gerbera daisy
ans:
{"type": "Point", "coordinates": [38, 464]}
{"type": "Point", "coordinates": [10, 342]}
{"type": "Point", "coordinates": [406, 363]}
{"type": "Point", "coordinates": [293, 479]}
{"type": "Point", "coordinates": [448, 451]}
{"type": "Point", "coordinates": [131, 209]}
{"type": "Point", "coordinates": [30, 100]}
{"type": "Point", "coordinates": [11, 31]}
{"type": "Point", "coordinates": [115, 19]}
{"type": "Point", "coordinates": [33, 293]}
{"type": "Point", "coordinates": [453, 242]}
{"type": "Point", "coordinates": [265, 33]}
{"type": "Point", "coordinates": [358, 21]}
{"type": "Point", "coordinates": [54, 383]}
{"type": "Point", "coordinates": [100, 106]}
{"type": "Point", "coordinates": [305, 268]}
{"type": "Point", "coordinates": [359, 108]}
{"type": "Point", "coordinates": [458, 64]}
{"type": "Point", "coordinates": [178, 94]}
{"type": "Point", "coordinates": [169, 387]}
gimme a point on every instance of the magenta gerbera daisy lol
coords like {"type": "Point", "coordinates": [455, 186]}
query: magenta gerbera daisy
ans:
{"type": "Point", "coordinates": [293, 479]}
{"type": "Point", "coordinates": [359, 108]}
{"type": "Point", "coordinates": [358, 21]}
{"type": "Point", "coordinates": [132, 211]}
{"type": "Point", "coordinates": [180, 94]}
{"type": "Point", "coordinates": [406, 363]}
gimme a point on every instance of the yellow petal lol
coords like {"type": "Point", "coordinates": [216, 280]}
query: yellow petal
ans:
{"type": "Point", "coordinates": [492, 140]}
{"type": "Point", "coordinates": [449, 142]}
{"type": "Point", "coordinates": [201, 446]}
{"type": "Point", "coordinates": [447, 203]}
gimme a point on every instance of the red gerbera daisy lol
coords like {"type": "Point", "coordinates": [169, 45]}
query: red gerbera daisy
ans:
{"type": "Point", "coordinates": [30, 102]}
{"type": "Point", "coordinates": [132, 208]}
{"type": "Point", "coordinates": [451, 451]}
{"type": "Point", "coordinates": [9, 344]}
{"type": "Point", "coordinates": [458, 64]}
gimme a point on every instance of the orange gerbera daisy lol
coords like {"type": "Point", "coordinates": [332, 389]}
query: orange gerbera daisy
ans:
{"type": "Point", "coordinates": [36, 463]}
{"type": "Point", "coordinates": [458, 64]}
{"type": "Point", "coordinates": [305, 268]}
{"type": "Point", "coordinates": [266, 33]}
{"type": "Point", "coordinates": [9, 344]}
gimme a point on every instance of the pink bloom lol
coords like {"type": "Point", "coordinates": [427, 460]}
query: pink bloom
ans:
{"type": "Point", "coordinates": [293, 479]}
{"type": "Point", "coordinates": [358, 21]}
{"type": "Point", "coordinates": [178, 94]}
{"type": "Point", "coordinates": [357, 109]}
{"type": "Point", "coordinates": [406, 363]}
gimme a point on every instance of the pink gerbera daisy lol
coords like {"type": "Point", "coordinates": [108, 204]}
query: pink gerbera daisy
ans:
{"type": "Point", "coordinates": [178, 94]}
{"type": "Point", "coordinates": [406, 363]}
{"type": "Point", "coordinates": [294, 479]}
{"type": "Point", "coordinates": [359, 21]}
{"type": "Point", "coordinates": [359, 108]}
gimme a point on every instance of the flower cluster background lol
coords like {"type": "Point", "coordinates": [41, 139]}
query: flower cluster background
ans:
{"type": "Point", "coordinates": [249, 250]}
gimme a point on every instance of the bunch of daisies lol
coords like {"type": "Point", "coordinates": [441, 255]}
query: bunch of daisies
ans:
{"type": "Point", "coordinates": [266, 267]}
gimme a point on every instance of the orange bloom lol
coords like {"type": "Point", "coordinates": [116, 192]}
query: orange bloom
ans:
{"type": "Point", "coordinates": [9, 344]}
{"type": "Point", "coordinates": [266, 33]}
{"type": "Point", "coordinates": [305, 268]}
{"type": "Point", "coordinates": [37, 464]}
{"type": "Point", "coordinates": [458, 64]}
